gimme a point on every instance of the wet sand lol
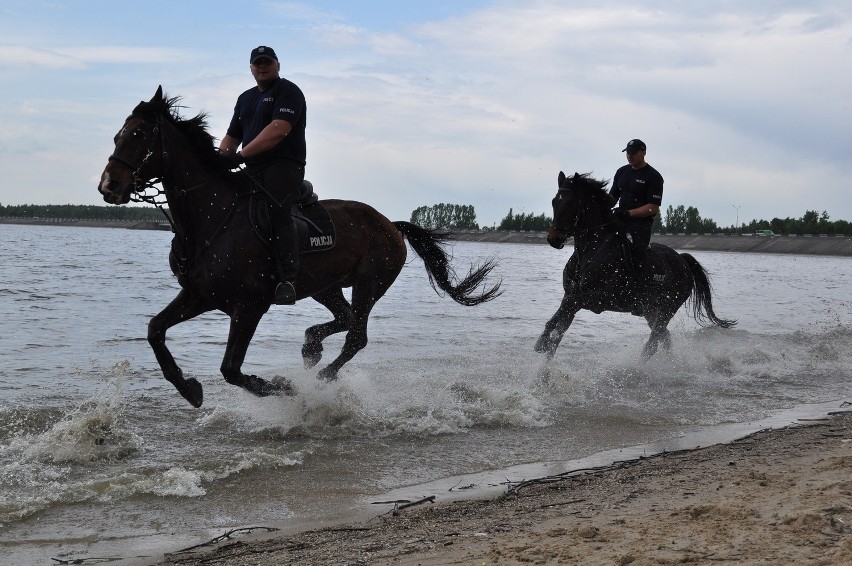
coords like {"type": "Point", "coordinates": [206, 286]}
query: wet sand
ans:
{"type": "Point", "coordinates": [780, 496]}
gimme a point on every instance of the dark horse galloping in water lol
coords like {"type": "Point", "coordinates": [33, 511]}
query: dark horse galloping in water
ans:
{"type": "Point", "coordinates": [598, 277]}
{"type": "Point", "coordinates": [229, 268]}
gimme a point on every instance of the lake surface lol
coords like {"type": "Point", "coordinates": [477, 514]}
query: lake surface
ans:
{"type": "Point", "coordinates": [101, 457]}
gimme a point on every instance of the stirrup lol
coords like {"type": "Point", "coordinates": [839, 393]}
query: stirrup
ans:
{"type": "Point", "coordinates": [285, 294]}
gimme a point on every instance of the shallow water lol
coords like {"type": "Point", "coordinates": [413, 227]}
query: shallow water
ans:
{"type": "Point", "coordinates": [99, 456]}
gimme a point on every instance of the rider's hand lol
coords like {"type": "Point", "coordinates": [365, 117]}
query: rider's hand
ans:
{"type": "Point", "coordinates": [621, 214]}
{"type": "Point", "coordinates": [235, 159]}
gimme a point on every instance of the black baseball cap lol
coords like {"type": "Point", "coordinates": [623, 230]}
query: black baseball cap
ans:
{"type": "Point", "coordinates": [634, 146]}
{"type": "Point", "coordinates": [262, 52]}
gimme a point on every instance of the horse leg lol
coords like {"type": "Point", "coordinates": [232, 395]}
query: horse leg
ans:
{"type": "Point", "coordinates": [356, 340]}
{"type": "Point", "coordinates": [244, 321]}
{"type": "Point", "coordinates": [666, 339]}
{"type": "Point", "coordinates": [183, 307]}
{"type": "Point", "coordinates": [556, 327]}
{"type": "Point", "coordinates": [335, 302]}
{"type": "Point", "coordinates": [366, 291]}
{"type": "Point", "coordinates": [659, 333]}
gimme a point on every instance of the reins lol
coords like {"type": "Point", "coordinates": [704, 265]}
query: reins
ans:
{"type": "Point", "coordinates": [140, 186]}
{"type": "Point", "coordinates": [161, 192]}
{"type": "Point", "coordinates": [579, 230]}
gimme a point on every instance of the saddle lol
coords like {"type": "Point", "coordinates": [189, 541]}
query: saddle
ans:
{"type": "Point", "coordinates": [657, 270]}
{"type": "Point", "coordinates": [314, 226]}
{"type": "Point", "coordinates": [316, 232]}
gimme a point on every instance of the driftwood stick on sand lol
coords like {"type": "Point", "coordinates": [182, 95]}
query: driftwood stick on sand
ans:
{"type": "Point", "coordinates": [398, 508]}
{"type": "Point", "coordinates": [225, 536]}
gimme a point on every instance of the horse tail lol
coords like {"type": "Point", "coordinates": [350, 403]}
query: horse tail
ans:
{"type": "Point", "coordinates": [702, 304]}
{"type": "Point", "coordinates": [428, 244]}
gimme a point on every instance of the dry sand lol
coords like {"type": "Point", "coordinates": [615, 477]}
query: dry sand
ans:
{"type": "Point", "coordinates": [780, 496]}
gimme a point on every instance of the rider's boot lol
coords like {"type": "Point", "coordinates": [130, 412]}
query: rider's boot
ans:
{"type": "Point", "coordinates": [286, 247]}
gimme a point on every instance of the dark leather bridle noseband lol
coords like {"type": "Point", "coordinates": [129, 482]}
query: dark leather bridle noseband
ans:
{"type": "Point", "coordinates": [140, 185]}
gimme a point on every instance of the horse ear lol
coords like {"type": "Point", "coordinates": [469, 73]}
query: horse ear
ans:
{"type": "Point", "coordinates": [561, 179]}
{"type": "Point", "coordinates": [158, 96]}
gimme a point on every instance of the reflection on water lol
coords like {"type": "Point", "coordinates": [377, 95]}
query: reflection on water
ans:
{"type": "Point", "coordinates": [98, 452]}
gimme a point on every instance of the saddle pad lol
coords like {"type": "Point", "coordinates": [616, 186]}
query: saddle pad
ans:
{"type": "Point", "coordinates": [660, 268]}
{"type": "Point", "coordinates": [315, 228]}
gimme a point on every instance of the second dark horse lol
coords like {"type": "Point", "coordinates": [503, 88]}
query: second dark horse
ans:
{"type": "Point", "coordinates": [599, 277]}
{"type": "Point", "coordinates": [228, 267]}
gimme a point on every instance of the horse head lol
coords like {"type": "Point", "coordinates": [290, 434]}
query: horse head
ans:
{"type": "Point", "coordinates": [139, 152]}
{"type": "Point", "coordinates": [143, 146]}
{"type": "Point", "coordinates": [565, 206]}
{"type": "Point", "coordinates": [580, 203]}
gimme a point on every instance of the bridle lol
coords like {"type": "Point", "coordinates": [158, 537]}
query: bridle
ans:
{"type": "Point", "coordinates": [563, 233]}
{"type": "Point", "coordinates": [140, 185]}
{"type": "Point", "coordinates": [577, 231]}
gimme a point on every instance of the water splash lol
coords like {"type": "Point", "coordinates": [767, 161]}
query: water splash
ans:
{"type": "Point", "coordinates": [95, 430]}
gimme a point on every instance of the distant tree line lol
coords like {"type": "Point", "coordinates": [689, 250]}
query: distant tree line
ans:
{"type": "Point", "coordinates": [811, 222]}
{"type": "Point", "coordinates": [525, 222]}
{"type": "Point", "coordinates": [81, 212]}
{"type": "Point", "coordinates": [448, 216]}
{"type": "Point", "coordinates": [682, 219]}
{"type": "Point", "coordinates": [687, 219]}
{"type": "Point", "coordinates": [675, 220]}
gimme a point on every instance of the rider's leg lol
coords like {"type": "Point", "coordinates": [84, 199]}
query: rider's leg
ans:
{"type": "Point", "coordinates": [285, 245]}
{"type": "Point", "coordinates": [282, 182]}
{"type": "Point", "coordinates": [641, 238]}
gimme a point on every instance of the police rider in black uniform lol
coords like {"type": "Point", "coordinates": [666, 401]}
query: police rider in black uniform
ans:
{"type": "Point", "coordinates": [269, 122]}
{"type": "Point", "coordinates": [638, 190]}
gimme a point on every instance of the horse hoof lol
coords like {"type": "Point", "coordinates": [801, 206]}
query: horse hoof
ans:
{"type": "Point", "coordinates": [282, 386]}
{"type": "Point", "coordinates": [327, 374]}
{"type": "Point", "coordinates": [542, 346]}
{"type": "Point", "coordinates": [311, 355]}
{"type": "Point", "coordinates": [192, 392]}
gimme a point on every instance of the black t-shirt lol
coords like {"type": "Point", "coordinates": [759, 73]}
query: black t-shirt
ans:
{"type": "Point", "coordinates": [635, 187]}
{"type": "Point", "coordinates": [255, 110]}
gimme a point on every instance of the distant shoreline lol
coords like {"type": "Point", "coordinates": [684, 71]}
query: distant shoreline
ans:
{"type": "Point", "coordinates": [807, 244]}
{"type": "Point", "coordinates": [89, 223]}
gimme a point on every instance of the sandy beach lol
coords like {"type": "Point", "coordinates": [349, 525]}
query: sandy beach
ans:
{"type": "Point", "coordinates": [780, 496]}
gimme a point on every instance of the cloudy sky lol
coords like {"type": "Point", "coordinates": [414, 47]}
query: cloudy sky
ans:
{"type": "Point", "coordinates": [746, 106]}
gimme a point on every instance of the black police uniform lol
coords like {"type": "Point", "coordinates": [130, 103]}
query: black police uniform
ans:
{"type": "Point", "coordinates": [633, 188]}
{"type": "Point", "coordinates": [282, 168]}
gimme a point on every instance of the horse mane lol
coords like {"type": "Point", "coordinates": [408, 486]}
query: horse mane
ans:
{"type": "Point", "coordinates": [597, 189]}
{"type": "Point", "coordinates": [194, 129]}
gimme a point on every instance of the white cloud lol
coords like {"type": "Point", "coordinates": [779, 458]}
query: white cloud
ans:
{"type": "Point", "coordinates": [739, 103]}
{"type": "Point", "coordinates": [24, 56]}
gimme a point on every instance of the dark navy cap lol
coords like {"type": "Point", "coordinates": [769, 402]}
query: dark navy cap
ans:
{"type": "Point", "coordinates": [262, 52]}
{"type": "Point", "coordinates": [634, 145]}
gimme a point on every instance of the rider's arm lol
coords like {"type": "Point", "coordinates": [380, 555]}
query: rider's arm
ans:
{"type": "Point", "coordinates": [644, 211]}
{"type": "Point", "coordinates": [653, 198]}
{"type": "Point", "coordinates": [268, 138]}
{"type": "Point", "coordinates": [228, 145]}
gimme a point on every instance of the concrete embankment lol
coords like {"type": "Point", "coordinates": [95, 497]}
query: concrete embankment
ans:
{"type": "Point", "coordinates": [801, 245]}
{"type": "Point", "coordinates": [85, 223]}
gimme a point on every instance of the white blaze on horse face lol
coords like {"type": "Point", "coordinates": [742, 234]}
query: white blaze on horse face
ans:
{"type": "Point", "coordinates": [106, 182]}
{"type": "Point", "coordinates": [110, 187]}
